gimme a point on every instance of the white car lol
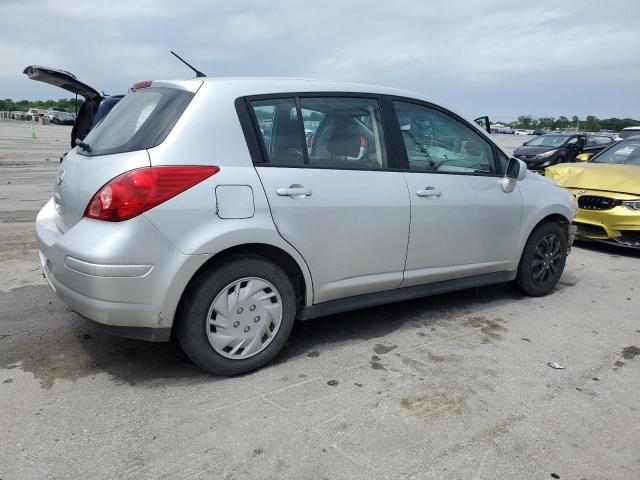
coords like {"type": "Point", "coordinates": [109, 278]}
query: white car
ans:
{"type": "Point", "coordinates": [628, 132]}
{"type": "Point", "coordinates": [36, 112]}
{"type": "Point", "coordinates": [201, 207]}
{"type": "Point", "coordinates": [523, 132]}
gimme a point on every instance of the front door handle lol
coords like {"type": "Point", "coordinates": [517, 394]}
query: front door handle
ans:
{"type": "Point", "coordinates": [294, 191]}
{"type": "Point", "coordinates": [429, 192]}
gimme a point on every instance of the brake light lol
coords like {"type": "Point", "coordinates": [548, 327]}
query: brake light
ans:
{"type": "Point", "coordinates": [142, 84]}
{"type": "Point", "coordinates": [136, 191]}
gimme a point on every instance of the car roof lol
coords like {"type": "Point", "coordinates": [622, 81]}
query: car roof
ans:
{"type": "Point", "coordinates": [248, 86]}
{"type": "Point", "coordinates": [264, 85]}
{"type": "Point", "coordinates": [636, 127]}
{"type": "Point", "coordinates": [236, 87]}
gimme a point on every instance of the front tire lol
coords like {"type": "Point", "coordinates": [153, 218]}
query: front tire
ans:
{"type": "Point", "coordinates": [237, 316]}
{"type": "Point", "coordinates": [543, 260]}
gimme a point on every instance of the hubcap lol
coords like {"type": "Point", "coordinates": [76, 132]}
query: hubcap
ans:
{"type": "Point", "coordinates": [244, 318]}
{"type": "Point", "coordinates": [546, 259]}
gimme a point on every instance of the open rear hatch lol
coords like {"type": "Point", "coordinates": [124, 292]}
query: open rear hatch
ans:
{"type": "Point", "coordinates": [62, 79]}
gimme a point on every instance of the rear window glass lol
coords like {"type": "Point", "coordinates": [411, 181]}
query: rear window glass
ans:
{"type": "Point", "coordinates": [140, 120]}
{"type": "Point", "coordinates": [629, 133]}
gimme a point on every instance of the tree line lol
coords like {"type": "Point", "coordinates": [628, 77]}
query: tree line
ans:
{"type": "Point", "coordinates": [69, 104]}
{"type": "Point", "coordinates": [589, 124]}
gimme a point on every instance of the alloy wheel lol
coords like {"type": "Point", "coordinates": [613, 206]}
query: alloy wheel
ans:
{"type": "Point", "coordinates": [547, 257]}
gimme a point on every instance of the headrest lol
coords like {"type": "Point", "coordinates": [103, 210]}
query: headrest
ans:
{"type": "Point", "coordinates": [344, 140]}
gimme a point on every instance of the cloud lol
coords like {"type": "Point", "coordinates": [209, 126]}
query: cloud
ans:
{"type": "Point", "coordinates": [13, 55]}
{"type": "Point", "coordinates": [451, 50]}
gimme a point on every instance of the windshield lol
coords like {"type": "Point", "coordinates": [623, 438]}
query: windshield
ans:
{"type": "Point", "coordinates": [629, 133]}
{"type": "Point", "coordinates": [140, 120]}
{"type": "Point", "coordinates": [548, 141]}
{"type": "Point", "coordinates": [627, 152]}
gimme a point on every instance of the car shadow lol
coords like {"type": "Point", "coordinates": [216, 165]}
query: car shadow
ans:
{"type": "Point", "coordinates": [55, 343]}
{"type": "Point", "coordinates": [377, 322]}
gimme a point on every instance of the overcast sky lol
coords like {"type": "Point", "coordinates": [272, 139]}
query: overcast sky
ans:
{"type": "Point", "coordinates": [503, 58]}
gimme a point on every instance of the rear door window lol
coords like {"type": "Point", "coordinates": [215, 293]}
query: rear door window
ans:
{"type": "Point", "coordinates": [343, 132]}
{"type": "Point", "coordinates": [333, 132]}
{"type": "Point", "coordinates": [139, 121]}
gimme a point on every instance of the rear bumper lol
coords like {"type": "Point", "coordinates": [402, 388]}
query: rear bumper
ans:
{"type": "Point", "coordinates": [124, 276]}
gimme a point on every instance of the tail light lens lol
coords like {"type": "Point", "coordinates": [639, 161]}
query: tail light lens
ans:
{"type": "Point", "coordinates": [134, 192]}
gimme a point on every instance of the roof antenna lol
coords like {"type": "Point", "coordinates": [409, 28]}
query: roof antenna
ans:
{"type": "Point", "coordinates": [198, 72]}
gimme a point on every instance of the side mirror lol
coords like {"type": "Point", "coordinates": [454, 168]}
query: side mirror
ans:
{"type": "Point", "coordinates": [585, 157]}
{"type": "Point", "coordinates": [516, 172]}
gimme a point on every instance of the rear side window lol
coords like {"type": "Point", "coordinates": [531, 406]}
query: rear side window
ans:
{"type": "Point", "coordinates": [334, 132]}
{"type": "Point", "coordinates": [140, 120]}
{"type": "Point", "coordinates": [280, 130]}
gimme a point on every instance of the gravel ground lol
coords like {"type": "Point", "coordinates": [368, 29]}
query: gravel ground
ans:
{"type": "Point", "coordinates": [452, 386]}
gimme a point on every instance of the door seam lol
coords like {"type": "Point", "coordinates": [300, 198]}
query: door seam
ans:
{"type": "Point", "coordinates": [406, 252]}
{"type": "Point", "coordinates": [275, 224]}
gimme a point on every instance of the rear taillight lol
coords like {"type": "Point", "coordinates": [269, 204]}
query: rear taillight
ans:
{"type": "Point", "coordinates": [137, 191]}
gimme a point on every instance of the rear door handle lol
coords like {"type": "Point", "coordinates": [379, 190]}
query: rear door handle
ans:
{"type": "Point", "coordinates": [294, 192]}
{"type": "Point", "coordinates": [429, 192]}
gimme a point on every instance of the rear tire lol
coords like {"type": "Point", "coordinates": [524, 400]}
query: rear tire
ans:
{"type": "Point", "coordinates": [543, 260]}
{"type": "Point", "coordinates": [236, 316]}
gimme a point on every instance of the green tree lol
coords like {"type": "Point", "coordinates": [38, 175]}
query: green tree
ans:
{"type": "Point", "coordinates": [524, 121]}
{"type": "Point", "coordinates": [69, 104]}
{"type": "Point", "coordinates": [546, 122]}
{"type": "Point", "coordinates": [591, 124]}
{"type": "Point", "coordinates": [562, 122]}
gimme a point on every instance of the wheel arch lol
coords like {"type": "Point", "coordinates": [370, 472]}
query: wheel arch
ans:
{"type": "Point", "coordinates": [282, 258]}
{"type": "Point", "coordinates": [553, 216]}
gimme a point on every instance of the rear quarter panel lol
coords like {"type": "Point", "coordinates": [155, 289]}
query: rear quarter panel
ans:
{"type": "Point", "coordinates": [209, 133]}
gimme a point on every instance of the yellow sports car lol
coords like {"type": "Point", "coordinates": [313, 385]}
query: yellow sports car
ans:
{"type": "Point", "coordinates": [607, 187]}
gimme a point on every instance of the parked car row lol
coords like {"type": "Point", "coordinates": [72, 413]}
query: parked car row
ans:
{"type": "Point", "coordinates": [554, 148]}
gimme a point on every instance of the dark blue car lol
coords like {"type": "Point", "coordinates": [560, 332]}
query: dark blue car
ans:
{"type": "Point", "coordinates": [95, 105]}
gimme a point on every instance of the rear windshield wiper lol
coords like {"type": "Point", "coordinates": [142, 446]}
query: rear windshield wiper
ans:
{"type": "Point", "coordinates": [85, 146]}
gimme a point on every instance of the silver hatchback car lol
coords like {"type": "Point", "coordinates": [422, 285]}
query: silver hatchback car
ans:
{"type": "Point", "coordinates": [225, 209]}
